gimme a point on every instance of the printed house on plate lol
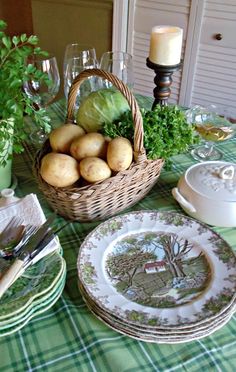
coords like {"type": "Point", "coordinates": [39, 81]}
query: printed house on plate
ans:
{"type": "Point", "coordinates": [155, 267]}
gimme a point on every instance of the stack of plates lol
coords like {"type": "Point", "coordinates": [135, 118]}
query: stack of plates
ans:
{"type": "Point", "coordinates": [33, 293]}
{"type": "Point", "coordinates": [158, 276]}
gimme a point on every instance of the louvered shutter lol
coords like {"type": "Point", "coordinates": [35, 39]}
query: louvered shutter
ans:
{"type": "Point", "coordinates": [215, 72]}
{"type": "Point", "coordinates": [143, 15]}
{"type": "Point", "coordinates": [209, 69]}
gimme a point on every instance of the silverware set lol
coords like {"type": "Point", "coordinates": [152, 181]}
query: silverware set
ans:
{"type": "Point", "coordinates": [14, 236]}
{"type": "Point", "coordinates": [11, 235]}
{"type": "Point", "coordinates": [22, 244]}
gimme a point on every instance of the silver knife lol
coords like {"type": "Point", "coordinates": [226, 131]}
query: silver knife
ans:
{"type": "Point", "coordinates": [50, 235]}
{"type": "Point", "coordinates": [12, 273]}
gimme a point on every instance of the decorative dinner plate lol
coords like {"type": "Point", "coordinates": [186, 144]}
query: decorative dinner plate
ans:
{"type": "Point", "coordinates": [44, 306]}
{"type": "Point", "coordinates": [159, 337]}
{"type": "Point", "coordinates": [36, 303]}
{"type": "Point", "coordinates": [153, 330]}
{"type": "Point", "coordinates": [158, 269]}
{"type": "Point", "coordinates": [37, 280]}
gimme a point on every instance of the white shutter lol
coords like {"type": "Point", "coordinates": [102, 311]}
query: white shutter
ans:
{"type": "Point", "coordinates": [143, 15]}
{"type": "Point", "coordinates": [215, 73]}
{"type": "Point", "coordinates": [209, 69]}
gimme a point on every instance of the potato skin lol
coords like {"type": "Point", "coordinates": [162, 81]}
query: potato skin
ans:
{"type": "Point", "coordinates": [91, 144]}
{"type": "Point", "coordinates": [61, 138]}
{"type": "Point", "coordinates": [59, 170]}
{"type": "Point", "coordinates": [94, 169]}
{"type": "Point", "coordinates": [119, 154]}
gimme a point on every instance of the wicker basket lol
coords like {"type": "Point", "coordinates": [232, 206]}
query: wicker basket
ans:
{"type": "Point", "coordinates": [124, 189]}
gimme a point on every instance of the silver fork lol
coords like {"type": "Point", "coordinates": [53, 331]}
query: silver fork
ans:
{"type": "Point", "coordinates": [11, 232]}
{"type": "Point", "coordinates": [29, 231]}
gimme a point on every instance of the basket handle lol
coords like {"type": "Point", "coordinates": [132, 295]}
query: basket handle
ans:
{"type": "Point", "coordinates": [139, 151]}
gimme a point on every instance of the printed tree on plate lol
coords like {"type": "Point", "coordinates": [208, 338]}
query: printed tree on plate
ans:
{"type": "Point", "coordinates": [175, 250]}
{"type": "Point", "coordinates": [129, 257]}
{"type": "Point", "coordinates": [132, 253]}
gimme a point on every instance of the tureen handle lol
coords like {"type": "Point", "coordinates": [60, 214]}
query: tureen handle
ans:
{"type": "Point", "coordinates": [227, 172]}
{"type": "Point", "coordinates": [182, 201]}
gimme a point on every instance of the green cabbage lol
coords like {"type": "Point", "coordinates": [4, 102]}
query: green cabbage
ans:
{"type": "Point", "coordinates": [101, 107]}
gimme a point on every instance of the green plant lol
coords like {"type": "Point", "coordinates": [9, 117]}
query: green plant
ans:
{"type": "Point", "coordinates": [14, 103]}
{"type": "Point", "coordinates": [166, 131]}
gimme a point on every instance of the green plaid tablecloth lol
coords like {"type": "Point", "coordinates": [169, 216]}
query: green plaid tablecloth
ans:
{"type": "Point", "coordinates": [69, 338]}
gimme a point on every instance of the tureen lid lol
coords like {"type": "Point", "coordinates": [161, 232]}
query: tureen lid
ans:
{"type": "Point", "coordinates": [213, 179]}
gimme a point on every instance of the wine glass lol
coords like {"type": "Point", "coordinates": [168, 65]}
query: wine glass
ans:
{"type": "Point", "coordinates": [77, 58]}
{"type": "Point", "coordinates": [42, 91]}
{"type": "Point", "coordinates": [74, 67]}
{"type": "Point", "coordinates": [75, 50]}
{"type": "Point", "coordinates": [213, 125]}
{"type": "Point", "coordinates": [119, 64]}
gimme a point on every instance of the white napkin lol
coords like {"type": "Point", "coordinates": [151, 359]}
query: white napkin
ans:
{"type": "Point", "coordinates": [29, 209]}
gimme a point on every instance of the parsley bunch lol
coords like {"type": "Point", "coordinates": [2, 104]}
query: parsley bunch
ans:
{"type": "Point", "coordinates": [14, 103]}
{"type": "Point", "coordinates": [166, 131]}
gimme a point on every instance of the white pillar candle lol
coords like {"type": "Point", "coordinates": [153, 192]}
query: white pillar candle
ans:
{"type": "Point", "coordinates": [165, 45]}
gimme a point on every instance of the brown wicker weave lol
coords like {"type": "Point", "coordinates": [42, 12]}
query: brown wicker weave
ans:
{"type": "Point", "coordinates": [103, 199]}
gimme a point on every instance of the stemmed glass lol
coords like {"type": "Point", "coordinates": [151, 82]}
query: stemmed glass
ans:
{"type": "Point", "coordinates": [43, 91]}
{"type": "Point", "coordinates": [75, 50]}
{"type": "Point", "coordinates": [213, 125]}
{"type": "Point", "coordinates": [77, 58]}
{"type": "Point", "coordinates": [74, 67]}
{"type": "Point", "coordinates": [119, 64]}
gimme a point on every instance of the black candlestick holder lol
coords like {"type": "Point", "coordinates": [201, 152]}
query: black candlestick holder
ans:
{"type": "Point", "coordinates": [163, 81]}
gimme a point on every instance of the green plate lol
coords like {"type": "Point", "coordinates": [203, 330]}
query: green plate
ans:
{"type": "Point", "coordinates": [38, 280]}
{"type": "Point", "coordinates": [44, 306]}
{"type": "Point", "coordinates": [36, 303]}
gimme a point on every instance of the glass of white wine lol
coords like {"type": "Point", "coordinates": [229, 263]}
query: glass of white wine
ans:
{"type": "Point", "coordinates": [213, 125]}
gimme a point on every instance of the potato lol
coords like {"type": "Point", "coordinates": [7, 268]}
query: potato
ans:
{"type": "Point", "coordinates": [91, 144]}
{"type": "Point", "coordinates": [94, 169]}
{"type": "Point", "coordinates": [61, 138]}
{"type": "Point", "coordinates": [59, 170]}
{"type": "Point", "coordinates": [119, 154]}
